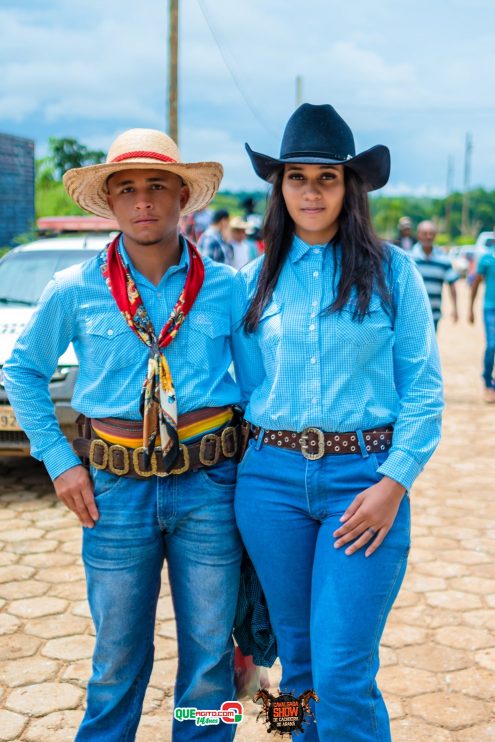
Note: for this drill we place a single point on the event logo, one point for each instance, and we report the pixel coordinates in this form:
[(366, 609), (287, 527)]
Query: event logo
[(230, 712), (285, 713)]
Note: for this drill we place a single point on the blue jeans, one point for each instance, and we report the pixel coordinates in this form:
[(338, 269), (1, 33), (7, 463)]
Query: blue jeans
[(488, 361), (328, 610), (189, 521)]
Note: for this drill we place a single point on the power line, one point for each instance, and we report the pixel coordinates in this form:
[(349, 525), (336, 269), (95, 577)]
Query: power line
[(238, 85)]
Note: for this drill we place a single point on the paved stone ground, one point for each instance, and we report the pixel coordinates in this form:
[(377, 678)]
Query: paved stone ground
[(438, 653)]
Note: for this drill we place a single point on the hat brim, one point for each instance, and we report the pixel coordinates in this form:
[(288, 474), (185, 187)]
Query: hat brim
[(372, 165), (87, 185)]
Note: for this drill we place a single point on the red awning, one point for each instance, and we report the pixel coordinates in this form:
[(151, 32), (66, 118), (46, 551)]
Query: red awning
[(76, 224)]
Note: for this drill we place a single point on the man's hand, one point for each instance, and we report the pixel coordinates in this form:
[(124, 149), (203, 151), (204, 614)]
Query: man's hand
[(471, 317), (370, 516), (455, 315), (75, 488)]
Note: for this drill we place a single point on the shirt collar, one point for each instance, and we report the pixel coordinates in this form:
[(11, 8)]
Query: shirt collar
[(420, 253), (183, 263), (299, 248)]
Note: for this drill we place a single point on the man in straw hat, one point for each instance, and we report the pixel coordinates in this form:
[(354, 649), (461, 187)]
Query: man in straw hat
[(149, 320)]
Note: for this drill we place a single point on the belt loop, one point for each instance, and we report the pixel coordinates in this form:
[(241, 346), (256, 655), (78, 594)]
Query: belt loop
[(259, 442), (362, 445)]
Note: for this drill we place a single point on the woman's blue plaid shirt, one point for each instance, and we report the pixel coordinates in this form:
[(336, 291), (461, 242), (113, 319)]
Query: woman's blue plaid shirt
[(305, 366)]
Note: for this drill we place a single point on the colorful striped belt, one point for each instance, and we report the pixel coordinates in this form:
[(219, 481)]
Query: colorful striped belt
[(207, 437), (191, 426)]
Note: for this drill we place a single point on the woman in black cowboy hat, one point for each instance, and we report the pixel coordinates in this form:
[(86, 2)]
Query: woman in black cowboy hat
[(336, 355)]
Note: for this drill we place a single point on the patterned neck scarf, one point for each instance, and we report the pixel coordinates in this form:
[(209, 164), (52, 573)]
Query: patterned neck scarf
[(158, 401)]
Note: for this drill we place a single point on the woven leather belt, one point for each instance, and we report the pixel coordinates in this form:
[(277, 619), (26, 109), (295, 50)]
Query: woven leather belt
[(212, 449), (313, 443)]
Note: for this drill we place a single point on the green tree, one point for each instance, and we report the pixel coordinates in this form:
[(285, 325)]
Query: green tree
[(66, 153)]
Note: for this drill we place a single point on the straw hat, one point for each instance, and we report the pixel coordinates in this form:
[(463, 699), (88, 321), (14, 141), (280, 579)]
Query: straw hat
[(237, 223), (142, 149)]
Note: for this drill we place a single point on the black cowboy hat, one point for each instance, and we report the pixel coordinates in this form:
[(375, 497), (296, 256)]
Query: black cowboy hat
[(317, 135)]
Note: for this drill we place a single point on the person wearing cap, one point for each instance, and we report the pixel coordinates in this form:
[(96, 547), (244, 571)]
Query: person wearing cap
[(149, 320), (343, 395), (405, 239), (243, 249), (214, 240)]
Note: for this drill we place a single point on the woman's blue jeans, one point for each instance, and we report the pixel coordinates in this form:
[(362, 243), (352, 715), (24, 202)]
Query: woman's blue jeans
[(328, 610), (488, 361), (189, 521)]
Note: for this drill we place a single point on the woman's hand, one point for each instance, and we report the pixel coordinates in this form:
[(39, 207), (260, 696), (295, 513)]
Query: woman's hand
[(370, 516)]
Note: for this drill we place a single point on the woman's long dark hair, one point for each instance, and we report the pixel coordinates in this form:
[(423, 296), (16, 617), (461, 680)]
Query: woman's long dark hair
[(363, 253)]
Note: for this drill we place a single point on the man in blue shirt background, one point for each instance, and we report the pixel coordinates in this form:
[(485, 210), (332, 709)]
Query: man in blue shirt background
[(486, 272)]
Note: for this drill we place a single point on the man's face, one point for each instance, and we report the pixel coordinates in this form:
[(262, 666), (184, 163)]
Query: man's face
[(426, 235), (238, 235), (146, 203)]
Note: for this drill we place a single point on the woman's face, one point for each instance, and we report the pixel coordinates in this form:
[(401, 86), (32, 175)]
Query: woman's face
[(314, 195)]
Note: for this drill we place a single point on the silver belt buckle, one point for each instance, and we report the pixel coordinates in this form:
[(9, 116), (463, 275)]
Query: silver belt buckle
[(303, 441)]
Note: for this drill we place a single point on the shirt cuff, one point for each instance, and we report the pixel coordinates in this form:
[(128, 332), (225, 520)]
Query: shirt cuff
[(401, 467), (59, 458)]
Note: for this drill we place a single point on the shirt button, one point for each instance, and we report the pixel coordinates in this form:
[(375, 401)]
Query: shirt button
[(316, 250), (313, 360), (313, 314), (316, 274), (109, 332), (312, 327), (314, 303), (314, 400)]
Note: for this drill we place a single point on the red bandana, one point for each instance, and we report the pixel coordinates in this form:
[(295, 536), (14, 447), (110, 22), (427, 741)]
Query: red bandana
[(158, 400)]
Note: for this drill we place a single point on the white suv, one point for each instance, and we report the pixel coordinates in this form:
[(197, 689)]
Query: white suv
[(24, 273)]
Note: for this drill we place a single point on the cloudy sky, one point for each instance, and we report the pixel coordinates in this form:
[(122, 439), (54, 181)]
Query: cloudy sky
[(415, 75)]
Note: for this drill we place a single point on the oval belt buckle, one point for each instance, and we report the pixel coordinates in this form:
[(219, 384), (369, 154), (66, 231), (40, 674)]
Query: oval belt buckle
[(303, 441), (137, 464)]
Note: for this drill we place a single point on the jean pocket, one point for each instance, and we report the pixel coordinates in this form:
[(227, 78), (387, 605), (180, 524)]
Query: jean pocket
[(247, 454), (223, 476), (374, 461), (104, 482)]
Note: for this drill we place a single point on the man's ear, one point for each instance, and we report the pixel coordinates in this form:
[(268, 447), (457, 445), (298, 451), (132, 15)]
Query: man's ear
[(184, 196)]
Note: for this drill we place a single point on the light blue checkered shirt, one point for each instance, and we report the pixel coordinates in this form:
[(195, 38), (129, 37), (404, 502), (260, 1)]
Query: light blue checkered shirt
[(77, 307), (306, 367)]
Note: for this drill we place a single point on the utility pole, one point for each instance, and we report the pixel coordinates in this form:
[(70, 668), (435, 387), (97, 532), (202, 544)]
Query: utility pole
[(450, 187), (299, 82), (173, 54), (468, 149)]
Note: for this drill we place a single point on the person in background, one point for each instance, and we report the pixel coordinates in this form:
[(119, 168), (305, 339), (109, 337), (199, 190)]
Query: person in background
[(436, 269), (213, 242), (405, 239), (486, 272), (244, 250)]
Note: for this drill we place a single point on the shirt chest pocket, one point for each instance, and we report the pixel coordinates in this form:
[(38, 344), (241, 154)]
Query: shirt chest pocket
[(207, 338), (374, 328), (110, 343), (269, 335)]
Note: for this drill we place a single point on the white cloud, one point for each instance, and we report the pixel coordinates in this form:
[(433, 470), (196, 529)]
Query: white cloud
[(406, 74)]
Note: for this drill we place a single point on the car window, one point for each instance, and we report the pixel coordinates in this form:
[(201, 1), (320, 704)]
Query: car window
[(24, 275)]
